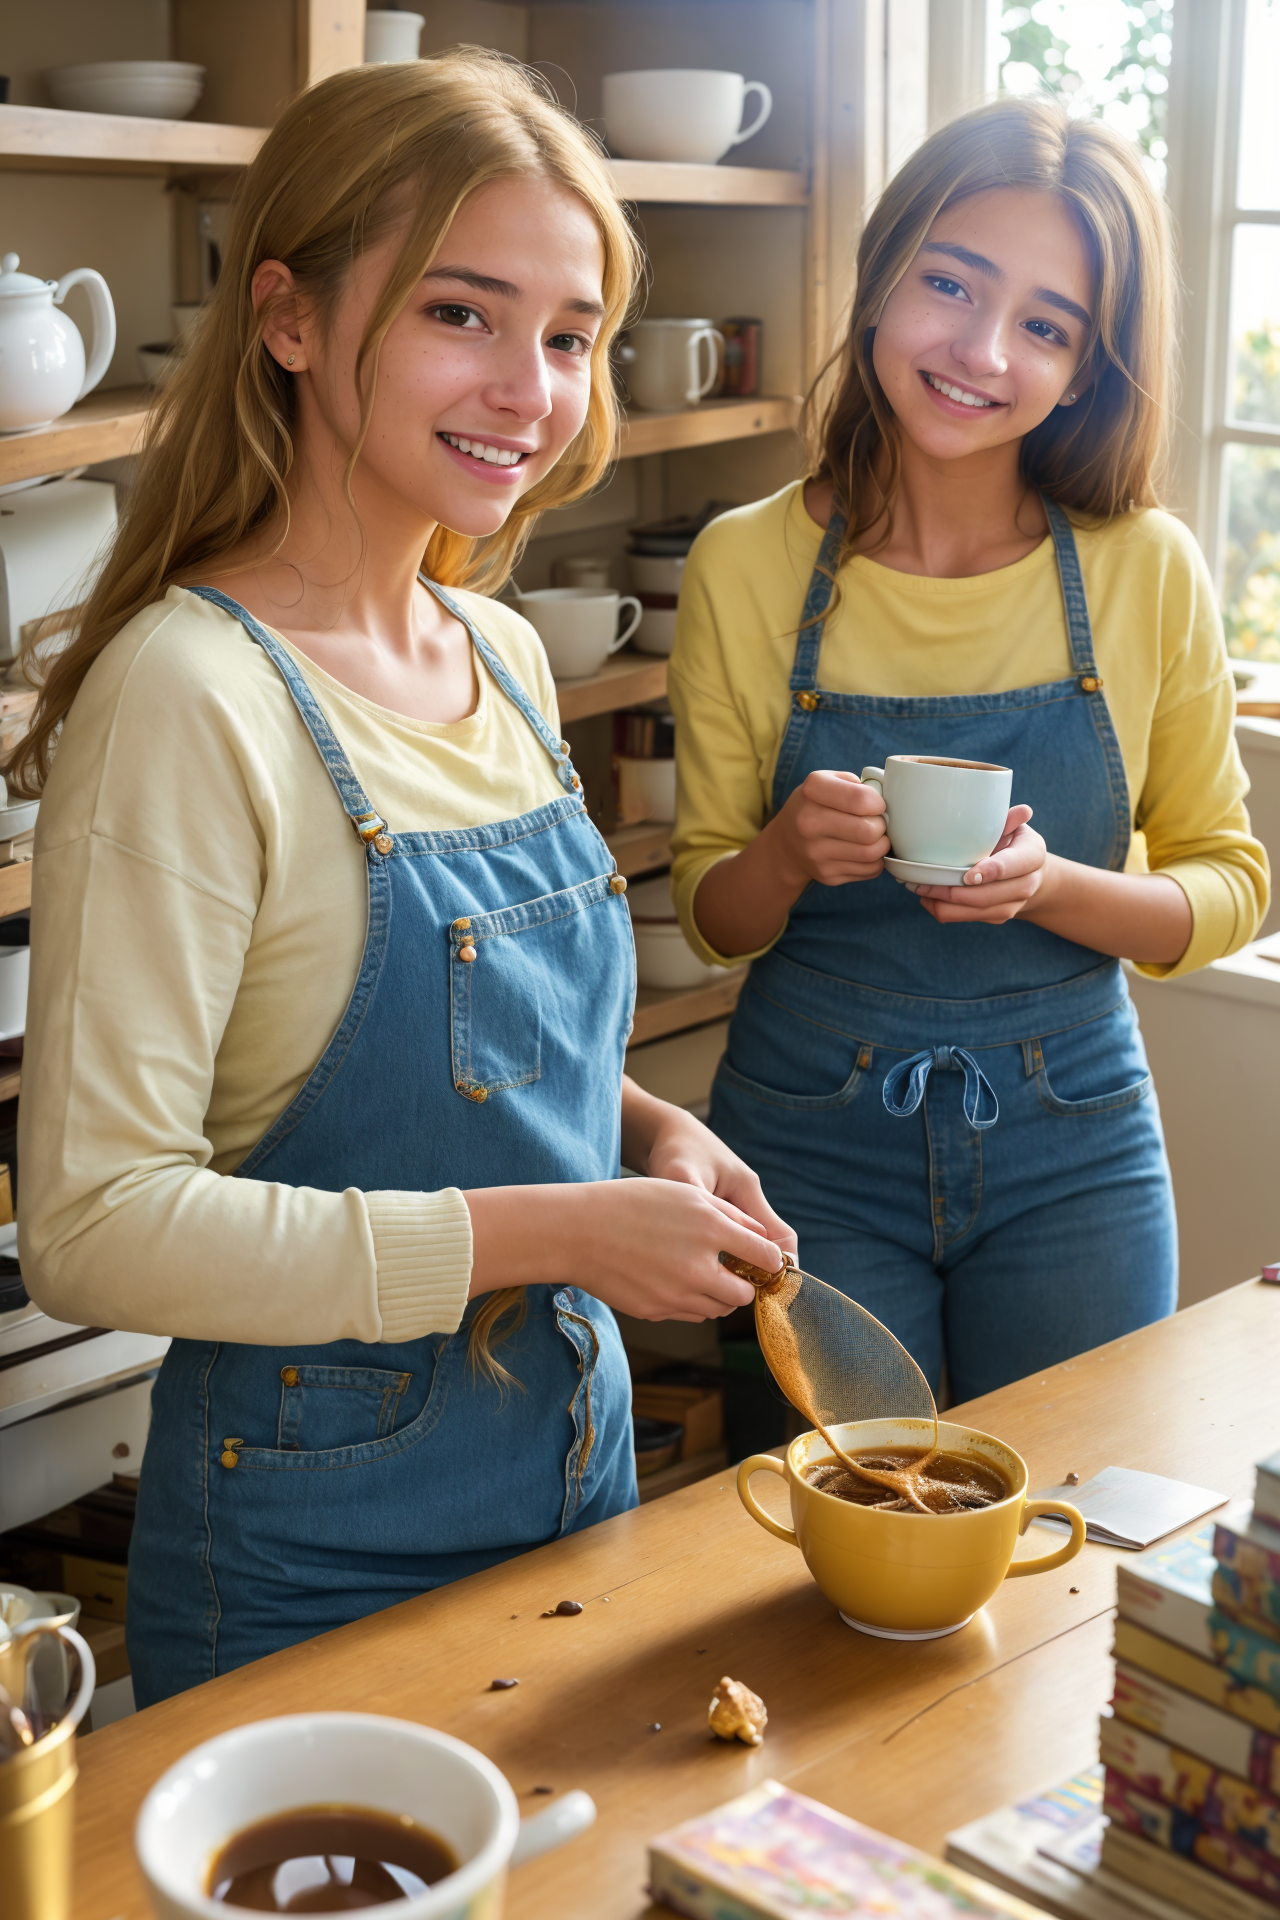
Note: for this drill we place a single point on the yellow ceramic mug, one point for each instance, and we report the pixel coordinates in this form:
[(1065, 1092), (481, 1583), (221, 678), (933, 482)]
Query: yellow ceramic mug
[(906, 1576)]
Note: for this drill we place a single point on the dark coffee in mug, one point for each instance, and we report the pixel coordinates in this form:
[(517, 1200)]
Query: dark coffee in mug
[(328, 1860)]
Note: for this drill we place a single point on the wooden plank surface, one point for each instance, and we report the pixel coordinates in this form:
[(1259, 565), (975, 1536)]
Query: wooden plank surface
[(677, 183), (49, 137), (640, 850), (102, 427), (621, 682), (914, 1739), (15, 888), (662, 1010), (707, 424)]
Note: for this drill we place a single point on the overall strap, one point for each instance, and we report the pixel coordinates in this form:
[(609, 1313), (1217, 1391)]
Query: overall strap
[(1079, 631), (805, 698), (368, 823), (558, 749)]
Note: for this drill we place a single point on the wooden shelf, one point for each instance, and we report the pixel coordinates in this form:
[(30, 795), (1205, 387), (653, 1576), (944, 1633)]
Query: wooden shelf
[(682, 1473), (10, 1081), (707, 424), (642, 849), (661, 1010), (52, 140), (672, 183), (102, 427), (621, 682), (110, 424), (15, 889)]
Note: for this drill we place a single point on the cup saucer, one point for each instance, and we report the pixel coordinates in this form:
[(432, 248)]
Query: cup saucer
[(922, 874), (893, 1633)]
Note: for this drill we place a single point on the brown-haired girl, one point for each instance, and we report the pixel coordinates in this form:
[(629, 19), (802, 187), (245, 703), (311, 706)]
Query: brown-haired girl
[(318, 905), (943, 1086)]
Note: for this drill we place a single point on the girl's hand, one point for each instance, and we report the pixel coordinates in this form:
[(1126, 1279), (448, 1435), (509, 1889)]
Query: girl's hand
[(683, 1149), (999, 887), (831, 830), (651, 1248)]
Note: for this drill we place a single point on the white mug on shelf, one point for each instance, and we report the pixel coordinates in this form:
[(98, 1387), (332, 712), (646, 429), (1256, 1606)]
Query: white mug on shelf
[(390, 35), (578, 626), (663, 359), (680, 113)]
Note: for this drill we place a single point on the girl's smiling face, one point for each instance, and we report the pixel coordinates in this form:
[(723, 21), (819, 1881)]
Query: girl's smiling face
[(985, 333), (483, 377)]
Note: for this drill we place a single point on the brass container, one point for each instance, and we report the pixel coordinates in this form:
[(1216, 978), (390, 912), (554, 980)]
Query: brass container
[(37, 1805)]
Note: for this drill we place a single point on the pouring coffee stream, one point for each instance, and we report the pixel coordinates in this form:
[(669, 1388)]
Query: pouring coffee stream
[(836, 1362)]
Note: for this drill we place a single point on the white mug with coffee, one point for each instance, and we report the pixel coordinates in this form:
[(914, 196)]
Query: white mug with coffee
[(324, 1763), (578, 626), (664, 361), (693, 114), (941, 816)]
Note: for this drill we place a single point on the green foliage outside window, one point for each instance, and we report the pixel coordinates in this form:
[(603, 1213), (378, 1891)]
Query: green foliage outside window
[(1251, 575)]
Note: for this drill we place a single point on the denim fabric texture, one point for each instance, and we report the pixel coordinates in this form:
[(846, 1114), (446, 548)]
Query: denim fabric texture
[(285, 1491), (959, 1121)]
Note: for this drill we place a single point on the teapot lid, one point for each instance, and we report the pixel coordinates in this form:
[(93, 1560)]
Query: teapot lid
[(11, 281)]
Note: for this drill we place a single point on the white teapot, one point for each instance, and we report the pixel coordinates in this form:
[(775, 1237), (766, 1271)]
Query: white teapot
[(42, 369)]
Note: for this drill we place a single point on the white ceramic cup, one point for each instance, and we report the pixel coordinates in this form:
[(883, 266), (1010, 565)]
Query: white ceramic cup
[(583, 570), (941, 813), (680, 113), (390, 35), (664, 362), (578, 626), (353, 1760)]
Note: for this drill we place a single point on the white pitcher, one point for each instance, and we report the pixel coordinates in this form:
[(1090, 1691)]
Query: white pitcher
[(42, 363)]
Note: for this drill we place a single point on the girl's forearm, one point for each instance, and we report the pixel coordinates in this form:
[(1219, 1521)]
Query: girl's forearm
[(642, 1115), (1135, 916), (742, 903)]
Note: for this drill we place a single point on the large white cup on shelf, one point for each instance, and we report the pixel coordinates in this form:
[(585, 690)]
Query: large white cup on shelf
[(680, 113), (390, 35), (578, 626), (665, 359)]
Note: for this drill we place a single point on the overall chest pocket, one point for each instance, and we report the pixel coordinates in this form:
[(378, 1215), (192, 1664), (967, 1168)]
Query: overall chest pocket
[(505, 967), (324, 1407)]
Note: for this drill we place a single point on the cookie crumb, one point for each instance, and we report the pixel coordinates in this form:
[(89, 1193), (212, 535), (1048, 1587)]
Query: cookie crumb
[(544, 1789), (1073, 1589), (500, 1686), (737, 1713), (1072, 1480), (655, 1726), (565, 1606)]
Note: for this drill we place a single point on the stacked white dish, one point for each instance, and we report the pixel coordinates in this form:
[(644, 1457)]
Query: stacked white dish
[(664, 957), (656, 580), (143, 89)]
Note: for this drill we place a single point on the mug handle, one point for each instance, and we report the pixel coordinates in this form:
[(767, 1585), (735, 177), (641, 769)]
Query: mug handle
[(766, 108), (1045, 1562), (563, 1820), (716, 339), (627, 600), (41, 1629), (763, 1463), (873, 777)]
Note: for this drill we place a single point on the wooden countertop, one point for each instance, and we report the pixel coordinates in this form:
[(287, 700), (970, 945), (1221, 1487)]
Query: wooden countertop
[(914, 1739)]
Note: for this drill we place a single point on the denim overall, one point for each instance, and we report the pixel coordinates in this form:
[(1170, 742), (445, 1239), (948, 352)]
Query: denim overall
[(287, 1490), (959, 1121)]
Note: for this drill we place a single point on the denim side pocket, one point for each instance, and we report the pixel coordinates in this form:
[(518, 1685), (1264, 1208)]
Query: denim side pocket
[(324, 1407), (1097, 1067)]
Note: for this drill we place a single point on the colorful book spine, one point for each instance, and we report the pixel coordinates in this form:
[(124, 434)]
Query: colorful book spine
[(1196, 1675), (1135, 1861), (1216, 1798), (1266, 1491), (1180, 1832), (1168, 1591), (1173, 1714), (1251, 1656), (1247, 1580)]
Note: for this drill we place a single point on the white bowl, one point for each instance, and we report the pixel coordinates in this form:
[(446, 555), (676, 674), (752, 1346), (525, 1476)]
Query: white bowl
[(15, 972), (652, 574), (646, 790), (143, 89), (657, 630), (664, 957)]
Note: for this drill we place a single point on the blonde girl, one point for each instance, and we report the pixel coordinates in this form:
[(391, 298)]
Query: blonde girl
[(943, 1086), (332, 973)]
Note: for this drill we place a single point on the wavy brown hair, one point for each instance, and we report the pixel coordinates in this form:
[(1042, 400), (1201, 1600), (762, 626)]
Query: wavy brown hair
[(366, 152), (1100, 457)]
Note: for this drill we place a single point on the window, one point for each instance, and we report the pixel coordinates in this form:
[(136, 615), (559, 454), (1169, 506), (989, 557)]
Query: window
[(1101, 56)]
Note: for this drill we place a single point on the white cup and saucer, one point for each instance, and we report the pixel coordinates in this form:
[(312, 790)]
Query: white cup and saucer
[(942, 816)]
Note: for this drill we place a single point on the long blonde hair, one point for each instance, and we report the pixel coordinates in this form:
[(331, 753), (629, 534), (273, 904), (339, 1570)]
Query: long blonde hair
[(1100, 457), (346, 163)]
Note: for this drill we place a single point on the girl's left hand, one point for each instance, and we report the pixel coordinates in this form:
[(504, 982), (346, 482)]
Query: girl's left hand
[(999, 887), (683, 1149)]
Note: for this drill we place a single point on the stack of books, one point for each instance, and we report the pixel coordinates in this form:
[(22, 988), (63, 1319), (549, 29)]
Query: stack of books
[(1191, 1748), (1182, 1814)]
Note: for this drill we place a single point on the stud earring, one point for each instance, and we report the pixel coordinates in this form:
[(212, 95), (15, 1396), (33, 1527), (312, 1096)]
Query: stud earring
[(1068, 399), (293, 356)]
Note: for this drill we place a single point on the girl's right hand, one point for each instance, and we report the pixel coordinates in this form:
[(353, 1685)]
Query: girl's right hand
[(651, 1248), (831, 830)]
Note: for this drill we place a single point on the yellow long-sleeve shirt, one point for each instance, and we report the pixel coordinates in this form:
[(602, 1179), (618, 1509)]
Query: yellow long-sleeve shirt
[(1157, 641)]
